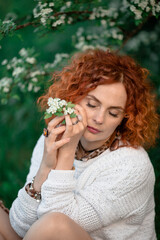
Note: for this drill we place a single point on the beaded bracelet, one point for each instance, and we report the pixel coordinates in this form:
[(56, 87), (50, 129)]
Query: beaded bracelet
[(32, 192)]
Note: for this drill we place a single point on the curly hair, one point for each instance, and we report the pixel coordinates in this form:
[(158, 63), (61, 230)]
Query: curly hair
[(91, 68)]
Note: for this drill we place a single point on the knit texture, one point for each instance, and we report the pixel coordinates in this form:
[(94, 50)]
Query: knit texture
[(111, 196)]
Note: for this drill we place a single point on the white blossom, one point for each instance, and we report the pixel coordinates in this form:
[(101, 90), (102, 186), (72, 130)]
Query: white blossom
[(148, 9), (51, 4), (43, 20), (5, 89), (34, 79), (68, 111), (23, 52), (30, 60), (46, 11), (143, 4), (33, 74), (5, 82), (68, 4), (70, 20), (51, 109), (62, 103), (36, 89), (8, 66), (30, 86), (17, 71), (103, 22), (152, 2), (4, 62)]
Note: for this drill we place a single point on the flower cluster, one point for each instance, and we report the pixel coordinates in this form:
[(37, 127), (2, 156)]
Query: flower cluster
[(59, 108), (139, 7), (6, 27)]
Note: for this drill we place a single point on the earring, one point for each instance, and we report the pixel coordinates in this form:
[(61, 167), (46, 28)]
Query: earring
[(115, 144)]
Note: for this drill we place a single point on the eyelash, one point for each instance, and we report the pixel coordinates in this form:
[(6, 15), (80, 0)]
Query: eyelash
[(112, 114), (89, 105)]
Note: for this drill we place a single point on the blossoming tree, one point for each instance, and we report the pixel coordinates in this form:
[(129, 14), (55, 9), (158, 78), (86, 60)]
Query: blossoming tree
[(63, 28), (116, 24)]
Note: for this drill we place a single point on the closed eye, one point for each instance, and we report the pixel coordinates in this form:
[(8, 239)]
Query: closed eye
[(90, 105), (113, 114)]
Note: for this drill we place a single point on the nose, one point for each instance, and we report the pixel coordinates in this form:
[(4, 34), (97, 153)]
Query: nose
[(99, 117)]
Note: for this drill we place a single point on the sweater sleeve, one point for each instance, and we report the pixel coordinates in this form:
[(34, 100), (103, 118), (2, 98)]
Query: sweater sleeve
[(108, 192), (23, 212)]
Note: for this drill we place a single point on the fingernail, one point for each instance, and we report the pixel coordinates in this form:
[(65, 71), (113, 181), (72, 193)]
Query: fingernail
[(79, 117)]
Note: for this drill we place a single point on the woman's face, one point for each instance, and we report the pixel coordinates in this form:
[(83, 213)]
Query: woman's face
[(104, 108)]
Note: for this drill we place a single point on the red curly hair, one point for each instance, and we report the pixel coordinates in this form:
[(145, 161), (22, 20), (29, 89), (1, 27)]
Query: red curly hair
[(91, 68)]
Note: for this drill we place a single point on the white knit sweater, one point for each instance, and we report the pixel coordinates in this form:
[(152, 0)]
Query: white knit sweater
[(111, 196)]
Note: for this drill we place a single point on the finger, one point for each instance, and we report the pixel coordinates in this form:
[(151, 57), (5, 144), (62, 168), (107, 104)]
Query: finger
[(55, 132), (54, 122), (61, 142), (68, 121), (82, 116)]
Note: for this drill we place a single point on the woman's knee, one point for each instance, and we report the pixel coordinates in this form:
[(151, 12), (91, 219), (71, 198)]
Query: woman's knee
[(56, 221), (50, 224)]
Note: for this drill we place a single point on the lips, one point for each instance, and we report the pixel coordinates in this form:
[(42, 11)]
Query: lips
[(93, 130)]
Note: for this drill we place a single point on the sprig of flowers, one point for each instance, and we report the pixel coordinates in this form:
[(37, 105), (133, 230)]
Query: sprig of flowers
[(59, 108)]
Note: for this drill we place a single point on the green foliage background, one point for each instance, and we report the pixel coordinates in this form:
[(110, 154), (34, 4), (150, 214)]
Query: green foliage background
[(21, 122)]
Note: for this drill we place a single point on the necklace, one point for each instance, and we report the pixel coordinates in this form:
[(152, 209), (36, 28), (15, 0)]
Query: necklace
[(83, 155)]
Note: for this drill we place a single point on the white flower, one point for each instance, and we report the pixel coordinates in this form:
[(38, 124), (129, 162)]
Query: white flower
[(33, 74), (23, 52), (103, 22), (30, 60), (70, 110), (51, 109), (43, 20), (17, 71), (152, 2), (36, 89), (5, 89), (50, 101), (148, 9), (62, 103), (5, 61), (34, 79), (70, 20), (8, 66), (51, 4), (68, 4), (143, 5), (5, 82), (46, 11), (65, 111), (30, 86)]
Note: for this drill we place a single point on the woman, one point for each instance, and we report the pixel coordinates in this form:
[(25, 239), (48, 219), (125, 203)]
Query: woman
[(110, 193)]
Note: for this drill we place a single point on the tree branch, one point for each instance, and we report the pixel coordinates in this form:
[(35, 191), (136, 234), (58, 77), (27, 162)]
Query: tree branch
[(55, 15), (135, 31)]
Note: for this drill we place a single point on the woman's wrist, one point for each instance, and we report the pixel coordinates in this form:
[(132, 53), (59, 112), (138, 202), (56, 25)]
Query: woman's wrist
[(41, 177)]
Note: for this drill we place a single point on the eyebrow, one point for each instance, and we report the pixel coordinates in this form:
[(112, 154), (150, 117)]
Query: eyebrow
[(96, 99)]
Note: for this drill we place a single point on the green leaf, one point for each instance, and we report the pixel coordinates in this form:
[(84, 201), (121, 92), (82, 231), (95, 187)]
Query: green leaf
[(59, 109), (70, 104), (59, 114), (16, 97), (73, 115), (64, 122), (47, 115)]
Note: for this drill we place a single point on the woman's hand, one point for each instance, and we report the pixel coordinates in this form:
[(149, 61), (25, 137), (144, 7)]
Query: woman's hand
[(67, 152), (51, 145)]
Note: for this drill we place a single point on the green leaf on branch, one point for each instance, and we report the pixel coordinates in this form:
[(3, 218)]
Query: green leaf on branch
[(59, 114), (73, 115), (59, 110), (47, 115), (70, 104)]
